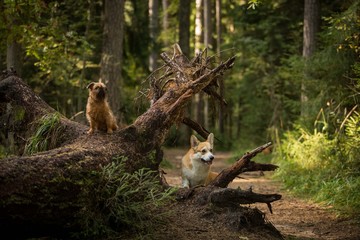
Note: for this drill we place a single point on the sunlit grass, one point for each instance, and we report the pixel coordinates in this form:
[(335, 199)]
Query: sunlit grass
[(313, 165)]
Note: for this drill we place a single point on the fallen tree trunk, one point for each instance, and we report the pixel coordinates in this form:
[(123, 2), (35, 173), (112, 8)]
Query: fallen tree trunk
[(47, 189)]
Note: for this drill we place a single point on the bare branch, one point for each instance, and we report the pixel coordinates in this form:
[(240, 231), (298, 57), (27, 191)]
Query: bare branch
[(229, 197), (229, 174)]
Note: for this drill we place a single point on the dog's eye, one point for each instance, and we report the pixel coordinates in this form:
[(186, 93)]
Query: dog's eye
[(211, 150), (203, 151)]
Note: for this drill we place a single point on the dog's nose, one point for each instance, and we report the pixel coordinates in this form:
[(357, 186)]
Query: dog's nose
[(211, 157)]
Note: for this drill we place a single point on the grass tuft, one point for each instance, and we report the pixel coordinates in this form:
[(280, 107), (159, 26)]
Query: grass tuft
[(46, 136)]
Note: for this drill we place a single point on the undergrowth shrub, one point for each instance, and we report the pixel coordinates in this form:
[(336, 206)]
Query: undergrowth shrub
[(124, 202), (322, 167)]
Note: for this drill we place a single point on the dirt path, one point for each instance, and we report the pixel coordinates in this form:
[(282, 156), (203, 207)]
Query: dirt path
[(294, 218)]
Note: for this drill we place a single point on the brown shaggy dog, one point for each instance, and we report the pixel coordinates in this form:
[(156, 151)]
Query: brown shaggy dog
[(98, 111)]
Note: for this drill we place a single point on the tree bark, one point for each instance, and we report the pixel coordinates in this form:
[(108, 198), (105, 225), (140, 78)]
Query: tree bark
[(184, 26), (222, 115), (165, 21), (208, 45), (184, 42), (311, 25), (111, 59), (208, 26), (13, 47), (154, 32)]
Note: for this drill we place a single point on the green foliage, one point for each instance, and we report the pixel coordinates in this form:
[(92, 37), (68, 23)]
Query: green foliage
[(323, 168), (350, 143), (47, 135), (253, 3), (320, 157), (124, 202), (260, 88), (55, 38)]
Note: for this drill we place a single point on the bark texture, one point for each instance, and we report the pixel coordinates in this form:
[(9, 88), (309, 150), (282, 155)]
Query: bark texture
[(111, 59)]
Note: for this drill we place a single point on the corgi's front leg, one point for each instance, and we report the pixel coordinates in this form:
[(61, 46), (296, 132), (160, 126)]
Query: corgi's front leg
[(185, 183)]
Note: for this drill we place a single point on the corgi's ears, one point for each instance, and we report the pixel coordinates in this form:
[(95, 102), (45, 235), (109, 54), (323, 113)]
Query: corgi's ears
[(210, 139), (194, 142)]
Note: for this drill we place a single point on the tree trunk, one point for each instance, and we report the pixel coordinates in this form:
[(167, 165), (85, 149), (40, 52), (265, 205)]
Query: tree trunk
[(13, 53), (218, 53), (154, 32), (184, 26), (165, 21), (311, 22), (208, 45), (13, 48), (184, 42), (111, 59), (89, 19), (197, 107), (208, 26), (198, 26)]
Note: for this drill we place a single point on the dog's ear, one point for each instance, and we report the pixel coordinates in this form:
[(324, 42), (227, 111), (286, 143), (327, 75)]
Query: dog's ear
[(194, 142), (90, 86), (210, 139)]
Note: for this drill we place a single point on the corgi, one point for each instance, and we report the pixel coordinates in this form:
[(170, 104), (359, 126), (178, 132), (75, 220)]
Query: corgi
[(196, 164)]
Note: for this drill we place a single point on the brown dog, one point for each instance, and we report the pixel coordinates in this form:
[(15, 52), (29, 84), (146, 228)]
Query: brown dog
[(98, 111)]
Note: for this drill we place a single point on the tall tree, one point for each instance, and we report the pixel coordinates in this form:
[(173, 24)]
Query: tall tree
[(154, 32), (184, 26), (218, 53), (184, 43), (311, 23), (111, 59), (197, 108), (208, 44), (165, 18), (208, 26), (13, 47), (89, 19), (198, 26)]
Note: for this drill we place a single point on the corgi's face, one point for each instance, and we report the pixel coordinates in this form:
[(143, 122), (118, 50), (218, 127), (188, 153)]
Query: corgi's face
[(203, 150)]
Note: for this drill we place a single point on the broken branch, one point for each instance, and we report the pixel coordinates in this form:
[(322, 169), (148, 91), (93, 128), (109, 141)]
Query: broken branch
[(227, 197), (227, 175)]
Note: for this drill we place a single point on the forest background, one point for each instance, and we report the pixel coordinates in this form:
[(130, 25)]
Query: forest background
[(295, 81)]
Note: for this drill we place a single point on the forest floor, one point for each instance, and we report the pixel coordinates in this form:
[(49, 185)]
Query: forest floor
[(295, 218)]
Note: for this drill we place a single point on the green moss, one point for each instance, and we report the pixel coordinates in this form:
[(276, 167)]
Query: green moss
[(19, 113)]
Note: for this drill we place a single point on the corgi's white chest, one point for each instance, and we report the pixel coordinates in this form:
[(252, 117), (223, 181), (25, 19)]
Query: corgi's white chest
[(198, 174)]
